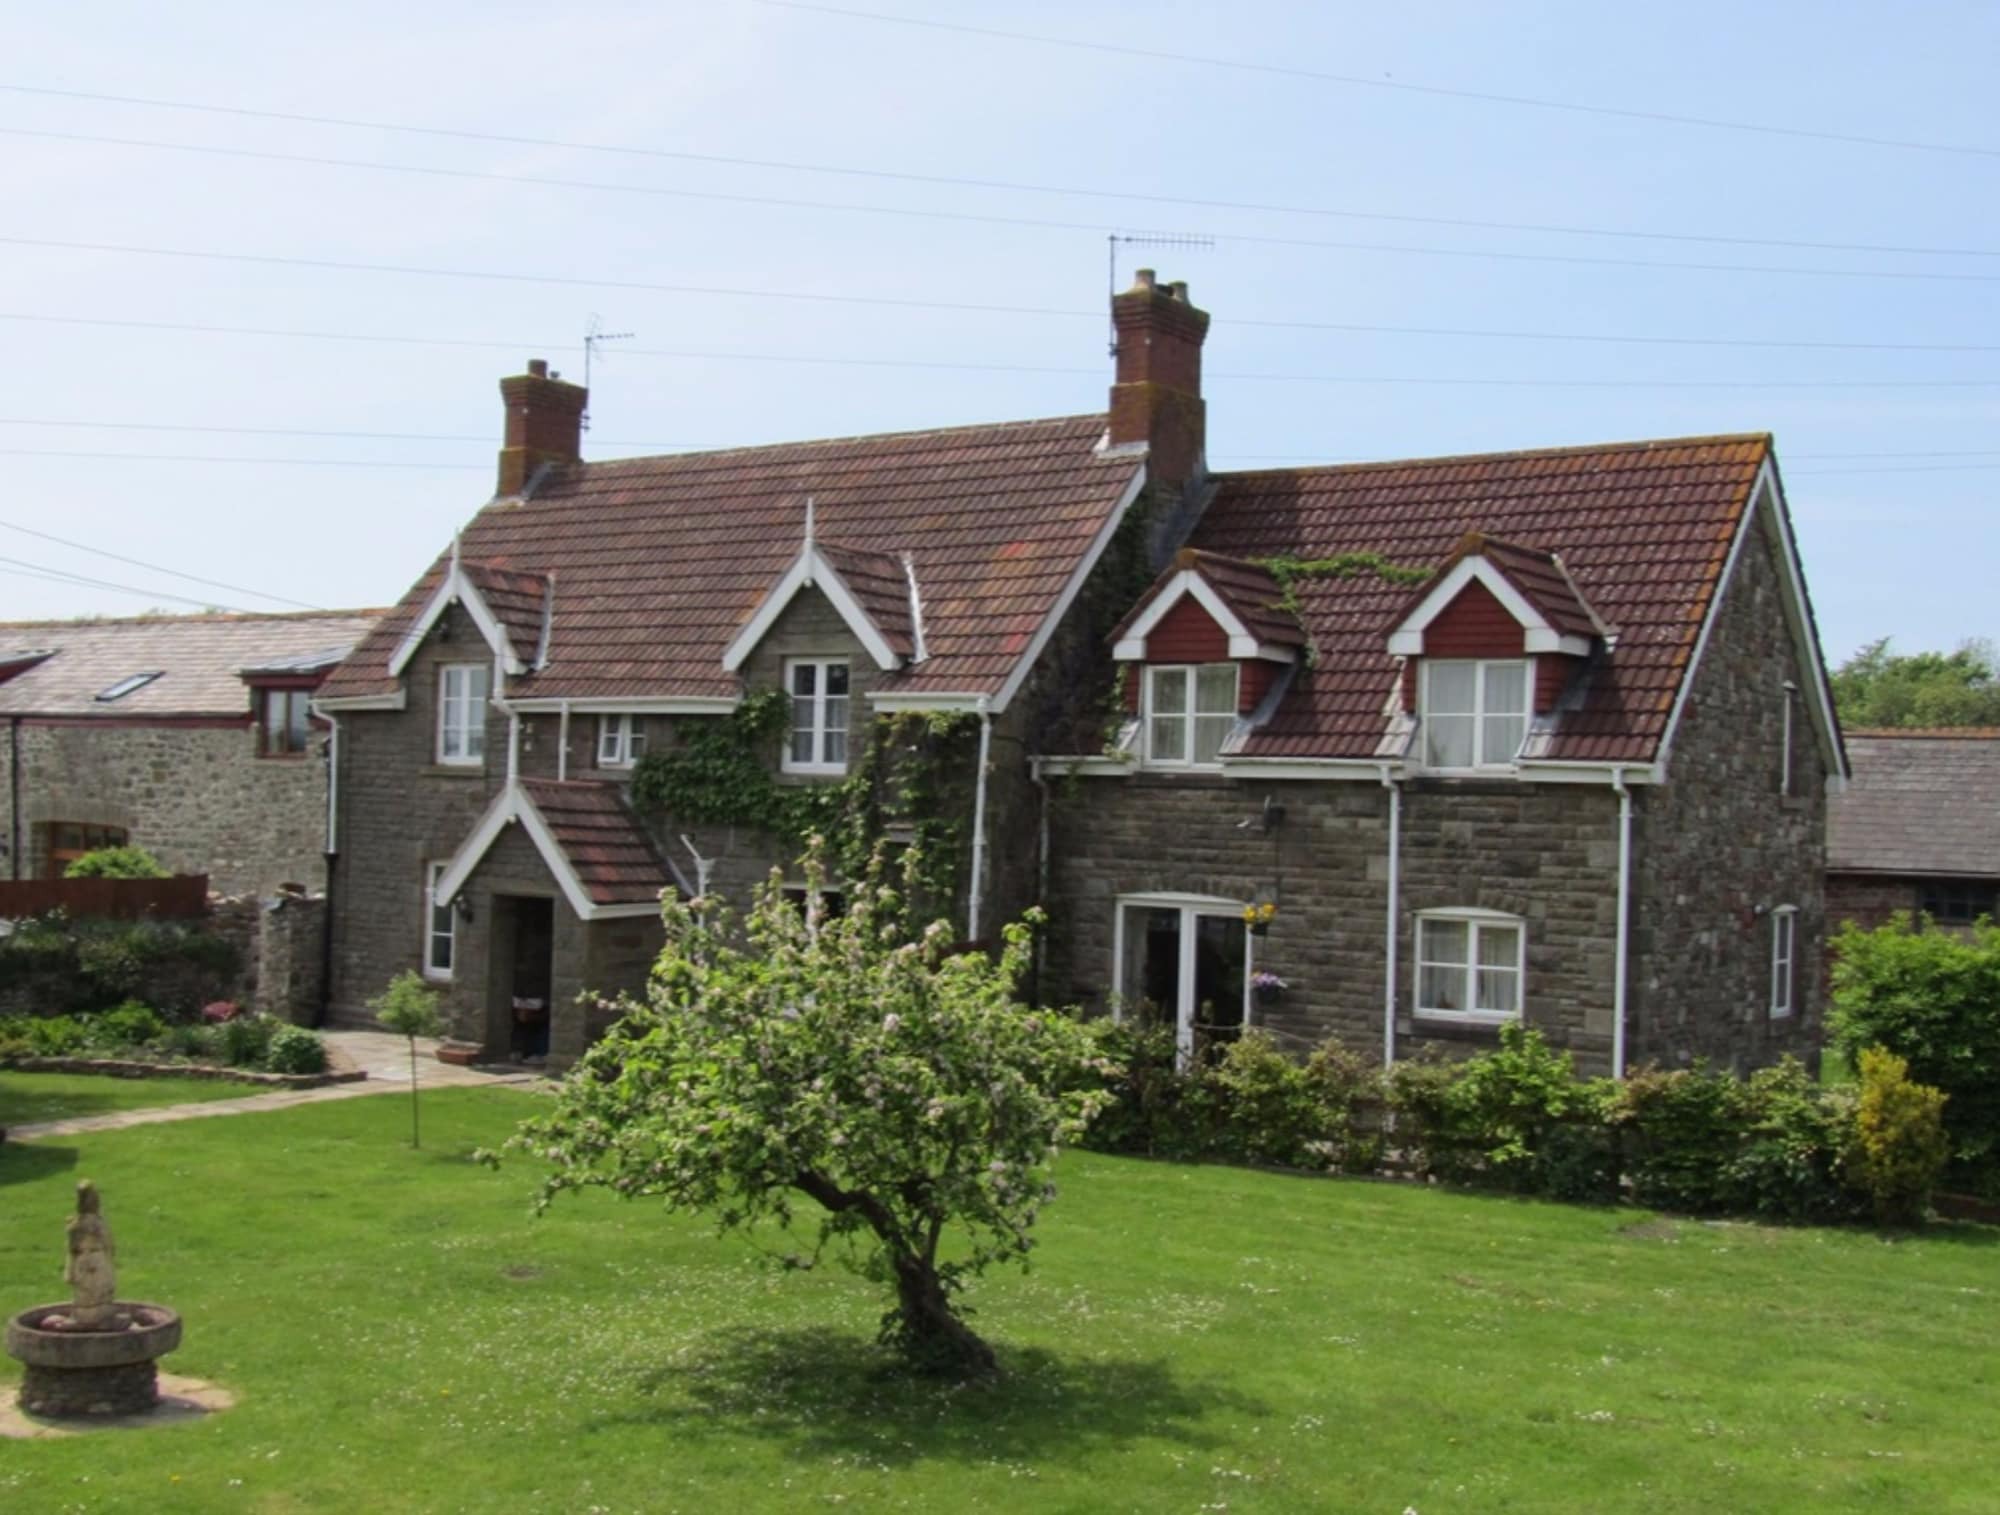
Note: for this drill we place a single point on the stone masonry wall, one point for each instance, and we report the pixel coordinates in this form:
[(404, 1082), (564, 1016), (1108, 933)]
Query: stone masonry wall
[(199, 798), (1546, 853), (1718, 847)]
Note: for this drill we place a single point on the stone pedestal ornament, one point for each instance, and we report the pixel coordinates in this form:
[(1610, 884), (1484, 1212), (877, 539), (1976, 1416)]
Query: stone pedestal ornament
[(96, 1355)]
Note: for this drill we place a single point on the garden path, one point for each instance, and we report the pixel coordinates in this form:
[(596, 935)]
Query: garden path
[(383, 1056)]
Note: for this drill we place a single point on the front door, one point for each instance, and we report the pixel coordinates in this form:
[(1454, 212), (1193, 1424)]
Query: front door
[(1186, 959)]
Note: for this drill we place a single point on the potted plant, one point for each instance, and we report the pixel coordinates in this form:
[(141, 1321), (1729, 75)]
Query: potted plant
[(1259, 917), (1269, 988)]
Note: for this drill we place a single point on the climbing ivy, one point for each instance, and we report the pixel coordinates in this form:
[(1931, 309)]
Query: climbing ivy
[(1290, 572), (909, 782)]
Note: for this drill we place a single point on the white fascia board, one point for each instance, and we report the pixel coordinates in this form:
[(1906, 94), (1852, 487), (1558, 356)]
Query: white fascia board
[(456, 586), (1336, 770), (1113, 519), (1664, 752), (644, 705), (1184, 583), (892, 703), (397, 701), (1407, 640), (475, 847), (810, 570), (1556, 641), (1087, 767), (552, 854), (1559, 771), (1804, 631), (1263, 652)]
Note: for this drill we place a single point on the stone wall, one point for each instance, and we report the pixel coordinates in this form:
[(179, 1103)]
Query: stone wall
[(198, 797), (1719, 847), (1545, 853)]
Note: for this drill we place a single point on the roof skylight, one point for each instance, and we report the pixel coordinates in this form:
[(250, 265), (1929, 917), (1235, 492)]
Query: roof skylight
[(125, 686)]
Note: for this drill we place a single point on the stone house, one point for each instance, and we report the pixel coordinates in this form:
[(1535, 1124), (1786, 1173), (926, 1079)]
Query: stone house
[(1541, 734), (1918, 828), (190, 736)]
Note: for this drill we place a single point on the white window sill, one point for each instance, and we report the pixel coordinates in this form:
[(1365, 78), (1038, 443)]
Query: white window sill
[(435, 977), (816, 771), (1485, 771), (1468, 1017), (1152, 767)]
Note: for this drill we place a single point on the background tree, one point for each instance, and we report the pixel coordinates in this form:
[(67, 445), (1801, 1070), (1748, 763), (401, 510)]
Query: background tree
[(1877, 687), (849, 1061), (408, 1007)]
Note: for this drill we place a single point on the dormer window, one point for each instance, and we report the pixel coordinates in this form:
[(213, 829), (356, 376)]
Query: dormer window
[(621, 740), (1190, 711), (1474, 712), (818, 741)]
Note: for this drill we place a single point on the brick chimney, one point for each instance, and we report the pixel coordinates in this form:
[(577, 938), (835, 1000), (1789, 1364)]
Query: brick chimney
[(1156, 395), (544, 425)]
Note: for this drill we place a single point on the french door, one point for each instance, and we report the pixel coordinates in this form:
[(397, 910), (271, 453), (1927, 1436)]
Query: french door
[(1184, 958)]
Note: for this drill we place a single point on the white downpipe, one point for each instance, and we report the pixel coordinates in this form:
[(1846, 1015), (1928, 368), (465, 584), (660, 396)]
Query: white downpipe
[(1395, 892), (562, 743), (976, 894), (1624, 921)]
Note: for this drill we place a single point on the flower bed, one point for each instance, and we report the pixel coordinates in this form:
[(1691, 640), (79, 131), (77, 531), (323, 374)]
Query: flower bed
[(133, 1040), (123, 1067)]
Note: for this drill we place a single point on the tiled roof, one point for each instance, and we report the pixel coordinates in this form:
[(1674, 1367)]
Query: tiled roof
[(1543, 582), (607, 848), (883, 588), (200, 660), (1918, 802), (518, 601), (660, 561), (1643, 529)]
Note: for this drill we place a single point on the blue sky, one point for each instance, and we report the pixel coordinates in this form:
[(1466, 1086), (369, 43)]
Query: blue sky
[(1891, 481)]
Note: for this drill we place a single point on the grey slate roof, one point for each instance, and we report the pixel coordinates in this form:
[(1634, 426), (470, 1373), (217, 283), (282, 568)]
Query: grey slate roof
[(1919, 802), (200, 660)]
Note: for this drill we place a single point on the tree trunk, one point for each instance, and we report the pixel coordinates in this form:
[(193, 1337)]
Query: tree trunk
[(929, 1331)]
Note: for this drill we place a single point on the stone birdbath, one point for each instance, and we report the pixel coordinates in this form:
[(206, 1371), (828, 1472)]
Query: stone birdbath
[(96, 1355)]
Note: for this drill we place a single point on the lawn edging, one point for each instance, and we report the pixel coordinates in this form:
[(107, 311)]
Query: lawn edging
[(121, 1067)]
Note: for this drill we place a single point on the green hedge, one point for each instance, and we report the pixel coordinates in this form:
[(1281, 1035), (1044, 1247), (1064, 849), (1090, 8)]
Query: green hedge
[(59, 965), (1775, 1145)]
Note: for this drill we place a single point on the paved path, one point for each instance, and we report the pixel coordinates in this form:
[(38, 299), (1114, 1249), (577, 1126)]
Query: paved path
[(383, 1056)]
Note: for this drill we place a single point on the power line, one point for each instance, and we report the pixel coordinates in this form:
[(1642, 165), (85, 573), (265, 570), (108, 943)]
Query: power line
[(1360, 327), (1034, 223), (1488, 97), (181, 457), (26, 570), (192, 578)]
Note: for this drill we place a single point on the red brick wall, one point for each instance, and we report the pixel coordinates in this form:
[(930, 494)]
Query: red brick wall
[(1474, 625)]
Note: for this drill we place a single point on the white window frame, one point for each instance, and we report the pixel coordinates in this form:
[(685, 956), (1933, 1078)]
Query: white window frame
[(621, 740), (1787, 781), (1474, 920), (1190, 907), (1784, 961), (447, 702), (1481, 763), (432, 936), (1190, 673), (819, 765)]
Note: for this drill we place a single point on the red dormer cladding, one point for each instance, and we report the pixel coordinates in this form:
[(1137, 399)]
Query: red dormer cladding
[(1477, 623), (1266, 640)]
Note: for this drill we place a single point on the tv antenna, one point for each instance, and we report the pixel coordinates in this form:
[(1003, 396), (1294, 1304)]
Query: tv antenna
[(592, 335), (1178, 241)]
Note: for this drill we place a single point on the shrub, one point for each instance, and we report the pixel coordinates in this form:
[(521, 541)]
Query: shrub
[(1933, 999), (117, 862), (1900, 1138), (196, 1043), (1681, 1130), (57, 1036), (245, 1042), (1791, 1161), (294, 1049), (132, 1024), (82, 965), (1154, 1109), (1351, 1093), (1265, 1109)]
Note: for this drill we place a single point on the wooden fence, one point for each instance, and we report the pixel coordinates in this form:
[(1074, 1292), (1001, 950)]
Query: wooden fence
[(118, 899)]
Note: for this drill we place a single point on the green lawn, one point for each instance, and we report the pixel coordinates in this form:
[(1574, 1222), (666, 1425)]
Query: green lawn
[(404, 1337), (28, 1097)]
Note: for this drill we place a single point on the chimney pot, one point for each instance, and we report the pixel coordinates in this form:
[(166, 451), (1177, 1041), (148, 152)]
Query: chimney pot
[(1178, 289), (1143, 279), (538, 368)]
